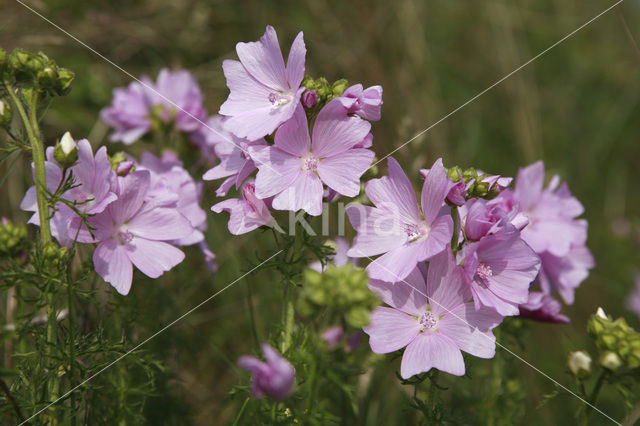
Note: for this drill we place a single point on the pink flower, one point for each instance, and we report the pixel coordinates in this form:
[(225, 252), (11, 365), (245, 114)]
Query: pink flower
[(481, 217), (553, 231), (434, 320), (544, 308), (94, 191), (294, 169), (264, 93), (247, 213), (394, 227), (499, 269), (333, 336), (170, 179), (551, 212), (274, 377), (235, 162), (365, 103), (133, 231), (174, 97)]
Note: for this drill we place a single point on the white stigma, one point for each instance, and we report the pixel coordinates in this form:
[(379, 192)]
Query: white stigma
[(428, 321)]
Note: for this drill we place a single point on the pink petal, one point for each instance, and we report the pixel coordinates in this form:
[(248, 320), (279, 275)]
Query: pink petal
[(153, 258), (334, 131), (342, 172), (295, 62), (431, 350), (277, 170), (434, 191), (396, 264), (408, 296), (304, 194), (133, 190), (160, 224), (247, 93), (293, 136), (439, 237), (395, 193), (378, 231), (529, 184), (470, 329), (390, 330), (446, 285), (112, 264), (263, 60)]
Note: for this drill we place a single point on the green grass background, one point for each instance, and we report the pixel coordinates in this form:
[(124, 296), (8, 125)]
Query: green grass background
[(577, 108)]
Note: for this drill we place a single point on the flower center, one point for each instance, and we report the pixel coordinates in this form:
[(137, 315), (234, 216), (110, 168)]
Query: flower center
[(415, 232), (124, 236), (278, 99), (310, 163), (428, 321), (484, 271)]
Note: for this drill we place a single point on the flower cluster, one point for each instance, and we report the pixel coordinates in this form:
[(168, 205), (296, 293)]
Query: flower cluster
[(321, 141), (485, 243), (175, 98), (137, 212)]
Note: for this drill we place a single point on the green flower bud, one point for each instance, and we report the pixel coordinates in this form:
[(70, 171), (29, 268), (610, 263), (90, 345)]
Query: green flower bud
[(452, 173), (308, 83), (14, 238), (55, 258), (116, 159), (47, 77), (66, 151), (63, 82), (610, 360), (5, 114), (579, 364), (339, 87)]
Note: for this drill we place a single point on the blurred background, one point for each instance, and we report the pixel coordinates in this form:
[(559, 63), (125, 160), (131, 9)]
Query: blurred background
[(577, 108)]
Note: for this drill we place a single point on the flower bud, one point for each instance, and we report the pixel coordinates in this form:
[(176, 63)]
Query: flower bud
[(125, 167), (275, 377), (600, 313), (332, 336), (66, 151), (339, 87), (13, 238), (63, 82), (610, 360), (47, 77), (5, 114), (579, 364), (309, 99)]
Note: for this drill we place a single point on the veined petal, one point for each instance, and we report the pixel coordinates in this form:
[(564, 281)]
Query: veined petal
[(408, 295), (342, 172), (153, 258), (305, 193), (263, 59), (112, 264), (470, 329), (390, 330), (378, 231), (434, 191), (395, 193), (335, 132), (295, 62), (293, 136), (277, 170), (431, 350)]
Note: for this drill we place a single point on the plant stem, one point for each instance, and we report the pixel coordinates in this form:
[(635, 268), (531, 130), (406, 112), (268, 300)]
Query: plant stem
[(241, 412), (71, 294), (594, 397), (37, 151), (289, 289), (254, 331)]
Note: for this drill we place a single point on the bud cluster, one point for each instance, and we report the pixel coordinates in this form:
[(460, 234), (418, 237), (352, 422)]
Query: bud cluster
[(55, 258), (619, 342), (13, 238), (341, 287), (35, 70), (320, 91), (476, 184)]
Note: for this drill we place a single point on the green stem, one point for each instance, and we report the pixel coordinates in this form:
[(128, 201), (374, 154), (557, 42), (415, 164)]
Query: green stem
[(37, 151), (289, 289), (454, 237), (71, 294), (241, 412), (594, 397), (254, 331)]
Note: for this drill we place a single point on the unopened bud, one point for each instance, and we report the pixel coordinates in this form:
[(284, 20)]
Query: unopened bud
[(579, 364), (125, 167), (5, 114), (63, 82), (610, 360), (66, 151), (600, 313), (309, 99), (339, 87)]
